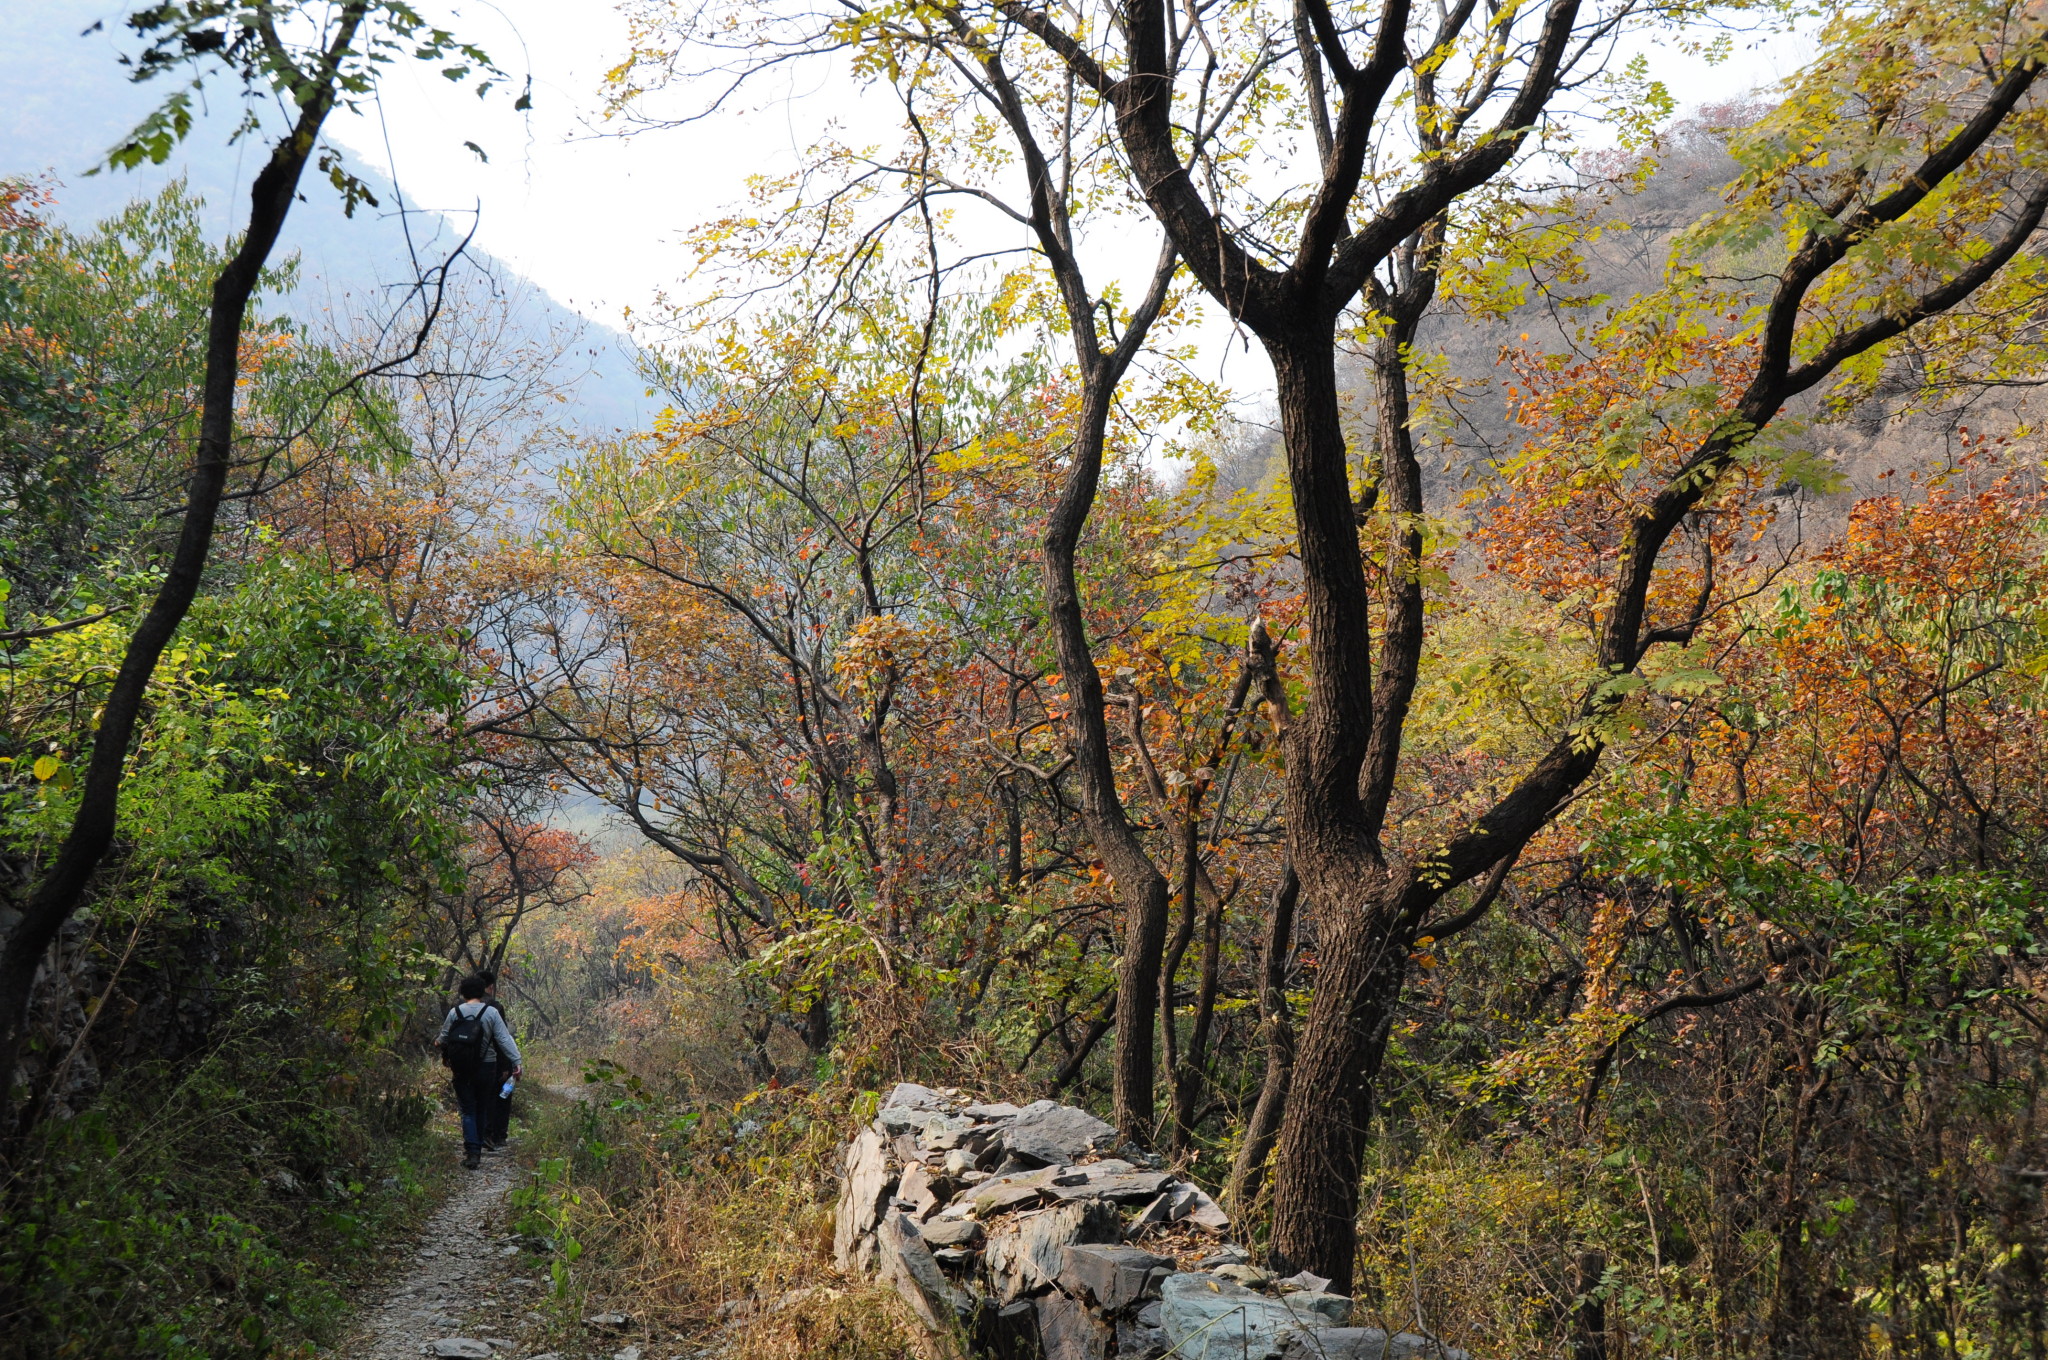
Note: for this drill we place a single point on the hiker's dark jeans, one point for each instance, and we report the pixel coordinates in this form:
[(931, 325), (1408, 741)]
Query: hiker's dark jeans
[(497, 1109), (474, 1092)]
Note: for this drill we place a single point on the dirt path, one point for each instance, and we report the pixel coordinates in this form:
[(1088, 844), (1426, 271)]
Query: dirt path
[(460, 1281)]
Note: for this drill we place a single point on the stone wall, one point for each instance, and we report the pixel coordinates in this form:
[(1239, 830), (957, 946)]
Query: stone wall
[(1028, 1232)]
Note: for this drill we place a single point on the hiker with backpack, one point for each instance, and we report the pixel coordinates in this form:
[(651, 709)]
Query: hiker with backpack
[(497, 1121), (471, 1029)]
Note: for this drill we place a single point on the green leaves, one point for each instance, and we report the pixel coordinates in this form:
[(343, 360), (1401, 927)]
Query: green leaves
[(286, 49), (155, 136)]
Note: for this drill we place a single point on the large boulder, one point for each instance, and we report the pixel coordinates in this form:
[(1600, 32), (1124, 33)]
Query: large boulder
[(1365, 1343), (1056, 1134), (1209, 1318)]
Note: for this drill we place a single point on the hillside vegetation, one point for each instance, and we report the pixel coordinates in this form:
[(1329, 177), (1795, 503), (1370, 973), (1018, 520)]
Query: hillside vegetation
[(1538, 819)]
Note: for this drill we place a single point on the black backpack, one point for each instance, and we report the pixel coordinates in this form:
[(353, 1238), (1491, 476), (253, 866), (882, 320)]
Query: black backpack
[(462, 1047)]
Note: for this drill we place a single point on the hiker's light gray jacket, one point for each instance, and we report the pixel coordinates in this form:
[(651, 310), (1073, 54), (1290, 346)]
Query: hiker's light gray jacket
[(495, 1029)]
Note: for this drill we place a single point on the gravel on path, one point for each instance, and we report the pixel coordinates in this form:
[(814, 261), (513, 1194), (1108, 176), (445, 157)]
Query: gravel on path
[(459, 1281)]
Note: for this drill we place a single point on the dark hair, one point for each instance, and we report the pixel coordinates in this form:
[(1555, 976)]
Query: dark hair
[(472, 987), (489, 976)]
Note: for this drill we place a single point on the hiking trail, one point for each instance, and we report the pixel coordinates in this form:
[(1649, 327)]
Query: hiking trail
[(461, 1282)]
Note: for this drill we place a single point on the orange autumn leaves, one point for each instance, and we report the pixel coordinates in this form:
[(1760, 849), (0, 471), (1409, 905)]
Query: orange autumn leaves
[(1894, 700), (1606, 432)]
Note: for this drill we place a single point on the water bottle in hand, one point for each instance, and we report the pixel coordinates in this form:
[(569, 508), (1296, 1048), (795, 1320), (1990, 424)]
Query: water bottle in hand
[(505, 1091)]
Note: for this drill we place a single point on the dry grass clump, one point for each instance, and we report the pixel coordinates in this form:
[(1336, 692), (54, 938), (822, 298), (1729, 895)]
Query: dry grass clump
[(869, 1323), (712, 1226)]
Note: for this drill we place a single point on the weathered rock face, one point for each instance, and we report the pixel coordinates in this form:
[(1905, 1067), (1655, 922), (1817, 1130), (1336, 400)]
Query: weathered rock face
[(1111, 1278), (1017, 1228), (906, 1262), (1366, 1343), (868, 1178), (1056, 1134), (1026, 1253), (1206, 1317)]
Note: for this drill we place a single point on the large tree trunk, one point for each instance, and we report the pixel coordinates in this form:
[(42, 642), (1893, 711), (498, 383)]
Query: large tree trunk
[(1330, 1098), (63, 885), (1342, 759)]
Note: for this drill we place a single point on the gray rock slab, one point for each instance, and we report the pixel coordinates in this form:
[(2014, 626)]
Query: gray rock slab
[(1251, 1277), (1067, 1332), (1128, 1189), (1056, 1133), (1206, 1318), (1314, 1284), (900, 1119), (917, 1189), (907, 1263), (1027, 1257), (990, 1200), (1007, 1192), (1136, 1341), (952, 1232), (995, 1110), (458, 1348), (1159, 1212), (1197, 1208), (863, 1195), (1365, 1343), (1110, 1166), (911, 1096), (1111, 1277)]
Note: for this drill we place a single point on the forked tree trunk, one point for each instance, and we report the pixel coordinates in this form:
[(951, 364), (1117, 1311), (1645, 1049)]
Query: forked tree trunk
[(1364, 955)]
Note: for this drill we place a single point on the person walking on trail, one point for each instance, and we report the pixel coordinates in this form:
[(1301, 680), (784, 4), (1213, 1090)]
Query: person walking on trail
[(497, 1128), (469, 1030)]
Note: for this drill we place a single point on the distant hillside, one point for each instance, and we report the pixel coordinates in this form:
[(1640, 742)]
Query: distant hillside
[(1870, 441), (66, 100)]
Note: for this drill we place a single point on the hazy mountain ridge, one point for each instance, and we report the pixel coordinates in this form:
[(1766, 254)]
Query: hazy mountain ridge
[(68, 100)]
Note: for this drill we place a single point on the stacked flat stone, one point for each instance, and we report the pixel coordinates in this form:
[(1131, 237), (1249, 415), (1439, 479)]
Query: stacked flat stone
[(1017, 1228)]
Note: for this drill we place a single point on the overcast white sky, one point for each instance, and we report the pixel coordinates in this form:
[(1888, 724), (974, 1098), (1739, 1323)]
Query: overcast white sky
[(590, 215), (594, 217)]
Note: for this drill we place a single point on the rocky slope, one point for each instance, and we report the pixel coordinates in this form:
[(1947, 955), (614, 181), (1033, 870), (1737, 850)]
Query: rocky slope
[(1028, 1232)]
